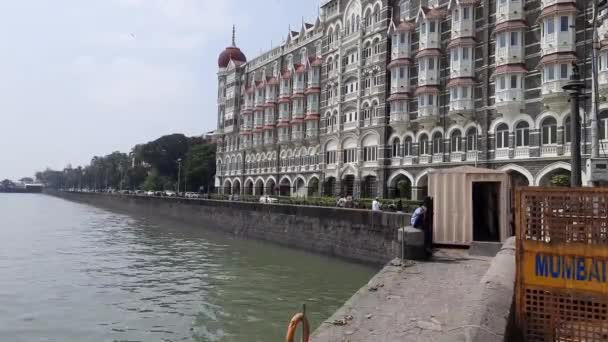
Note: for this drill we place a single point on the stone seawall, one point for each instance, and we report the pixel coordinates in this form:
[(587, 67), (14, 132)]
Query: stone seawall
[(359, 235)]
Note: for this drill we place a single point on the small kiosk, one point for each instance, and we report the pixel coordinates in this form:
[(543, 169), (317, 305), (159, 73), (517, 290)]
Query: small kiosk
[(470, 204)]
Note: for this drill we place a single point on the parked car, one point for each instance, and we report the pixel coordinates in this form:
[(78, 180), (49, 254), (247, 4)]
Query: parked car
[(159, 193), (150, 193), (192, 195), (267, 199), (170, 193), (140, 192)]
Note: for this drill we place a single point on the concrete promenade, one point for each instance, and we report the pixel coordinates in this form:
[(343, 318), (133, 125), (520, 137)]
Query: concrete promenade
[(443, 299)]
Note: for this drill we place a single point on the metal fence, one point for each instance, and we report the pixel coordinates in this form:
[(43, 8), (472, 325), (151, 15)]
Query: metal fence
[(562, 256)]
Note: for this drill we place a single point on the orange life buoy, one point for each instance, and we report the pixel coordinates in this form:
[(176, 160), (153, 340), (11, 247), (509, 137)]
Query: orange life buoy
[(293, 324)]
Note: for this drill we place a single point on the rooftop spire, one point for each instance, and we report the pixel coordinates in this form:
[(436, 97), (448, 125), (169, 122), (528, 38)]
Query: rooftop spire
[(233, 35)]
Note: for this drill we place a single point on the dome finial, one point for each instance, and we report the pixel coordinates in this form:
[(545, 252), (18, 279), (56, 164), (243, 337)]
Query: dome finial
[(233, 35)]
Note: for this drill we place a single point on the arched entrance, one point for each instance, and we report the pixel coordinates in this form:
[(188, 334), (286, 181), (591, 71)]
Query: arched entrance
[(227, 188), (400, 187), (236, 187), (313, 187), (348, 185), (271, 187), (285, 187), (517, 179), (557, 177), (300, 188), (259, 187), (370, 187), (329, 186), (422, 187), (249, 187)]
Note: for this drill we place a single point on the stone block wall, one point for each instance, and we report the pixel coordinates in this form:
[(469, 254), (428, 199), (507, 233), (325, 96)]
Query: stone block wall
[(359, 235)]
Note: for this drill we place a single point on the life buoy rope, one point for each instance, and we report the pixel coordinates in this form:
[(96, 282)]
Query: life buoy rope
[(293, 325)]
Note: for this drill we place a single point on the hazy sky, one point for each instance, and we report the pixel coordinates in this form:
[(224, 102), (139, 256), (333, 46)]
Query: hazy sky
[(87, 77)]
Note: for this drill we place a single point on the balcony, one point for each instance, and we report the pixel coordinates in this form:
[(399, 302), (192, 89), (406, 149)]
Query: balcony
[(409, 160), (349, 125), (268, 140), (283, 138), (546, 3), (456, 156), (462, 28), (548, 151), (269, 121), (427, 112), (228, 128), (333, 129), (522, 152), (375, 121), (297, 135), (557, 42), (258, 123), (509, 55), (567, 149), (428, 77), (350, 68), (257, 141), (404, 51), (552, 92), (461, 68), (312, 133), (438, 158), (472, 155), (298, 113), (429, 41), (462, 105), (424, 159), (334, 101), (509, 102), (507, 10), (298, 87), (501, 153), (399, 118), (332, 74), (350, 96), (259, 101)]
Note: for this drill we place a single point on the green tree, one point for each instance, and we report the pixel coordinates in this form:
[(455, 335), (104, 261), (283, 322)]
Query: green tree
[(163, 153), (153, 181), (560, 180), (199, 167)]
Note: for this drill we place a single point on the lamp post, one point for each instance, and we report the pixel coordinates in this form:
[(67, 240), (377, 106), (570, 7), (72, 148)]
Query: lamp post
[(574, 87), (179, 171)]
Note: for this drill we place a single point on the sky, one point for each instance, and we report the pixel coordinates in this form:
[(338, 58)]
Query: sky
[(80, 78)]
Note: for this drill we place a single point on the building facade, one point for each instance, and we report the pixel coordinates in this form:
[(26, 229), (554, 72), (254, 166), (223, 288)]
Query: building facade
[(376, 93)]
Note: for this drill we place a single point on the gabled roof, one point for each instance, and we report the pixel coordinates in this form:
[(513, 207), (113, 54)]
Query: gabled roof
[(430, 13)]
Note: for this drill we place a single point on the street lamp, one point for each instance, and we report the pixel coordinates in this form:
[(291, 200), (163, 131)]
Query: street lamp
[(179, 171), (575, 87)]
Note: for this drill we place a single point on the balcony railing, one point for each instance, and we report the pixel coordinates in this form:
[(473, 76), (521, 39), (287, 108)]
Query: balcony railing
[(603, 77), (553, 87), (461, 68), (424, 159), (546, 3), (462, 28), (283, 138), (509, 95), (399, 118), (350, 96), (557, 42), (409, 160), (472, 155), (456, 156), (509, 54), (522, 152), (401, 52), (296, 135), (438, 158), (507, 10), (350, 125), (312, 133), (429, 41), (350, 67), (549, 150), (427, 111), (567, 148), (501, 153), (428, 77), (462, 105)]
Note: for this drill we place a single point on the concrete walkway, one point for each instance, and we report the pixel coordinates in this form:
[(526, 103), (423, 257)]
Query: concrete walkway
[(421, 301)]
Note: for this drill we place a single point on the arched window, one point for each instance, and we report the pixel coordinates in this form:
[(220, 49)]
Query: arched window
[(407, 147), (423, 145), (456, 141), (330, 36), (396, 148), (472, 139), (437, 143), (502, 136), (522, 134), (549, 131), (353, 23)]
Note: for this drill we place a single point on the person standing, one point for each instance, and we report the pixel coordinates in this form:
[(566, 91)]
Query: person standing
[(376, 205), (421, 219)]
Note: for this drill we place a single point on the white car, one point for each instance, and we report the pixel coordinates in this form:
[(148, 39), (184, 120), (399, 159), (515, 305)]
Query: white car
[(267, 199), (170, 193), (149, 193), (192, 195)]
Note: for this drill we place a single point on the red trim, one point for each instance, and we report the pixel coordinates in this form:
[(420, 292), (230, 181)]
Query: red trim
[(509, 68), (310, 117), (296, 121), (559, 57), (558, 8), (399, 62), (428, 52), (461, 81), (512, 25), (406, 26), (313, 90), (464, 41), (297, 95), (427, 90), (284, 100), (282, 124), (397, 97)]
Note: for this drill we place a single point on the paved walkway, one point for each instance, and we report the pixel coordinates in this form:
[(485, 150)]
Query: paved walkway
[(423, 301)]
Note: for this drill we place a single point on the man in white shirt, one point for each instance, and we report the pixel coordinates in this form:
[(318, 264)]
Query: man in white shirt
[(376, 205)]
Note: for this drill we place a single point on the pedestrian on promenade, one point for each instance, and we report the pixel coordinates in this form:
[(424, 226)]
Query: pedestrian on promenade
[(421, 219), (376, 205), (341, 202)]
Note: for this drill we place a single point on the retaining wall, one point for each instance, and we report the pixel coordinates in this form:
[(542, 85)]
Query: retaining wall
[(359, 235)]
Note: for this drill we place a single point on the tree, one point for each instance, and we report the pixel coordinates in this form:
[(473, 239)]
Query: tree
[(163, 153), (199, 167), (560, 180)]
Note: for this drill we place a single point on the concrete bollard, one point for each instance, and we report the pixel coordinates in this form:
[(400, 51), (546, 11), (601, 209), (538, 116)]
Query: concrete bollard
[(412, 243)]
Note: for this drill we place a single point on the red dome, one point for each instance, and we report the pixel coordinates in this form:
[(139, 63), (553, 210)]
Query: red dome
[(231, 53)]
